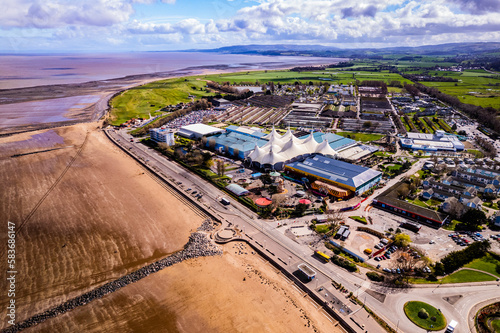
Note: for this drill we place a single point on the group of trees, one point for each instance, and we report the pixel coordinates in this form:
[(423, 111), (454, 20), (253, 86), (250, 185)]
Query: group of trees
[(487, 146), (428, 78), (457, 259)]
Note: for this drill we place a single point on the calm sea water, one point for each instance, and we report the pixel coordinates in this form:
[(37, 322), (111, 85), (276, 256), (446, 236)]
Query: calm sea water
[(18, 71)]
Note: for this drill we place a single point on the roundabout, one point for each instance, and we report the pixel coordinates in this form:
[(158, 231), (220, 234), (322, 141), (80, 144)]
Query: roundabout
[(425, 316)]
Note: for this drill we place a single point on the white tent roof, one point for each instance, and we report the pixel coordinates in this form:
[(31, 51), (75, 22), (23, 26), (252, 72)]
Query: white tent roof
[(293, 148), (272, 158), (310, 144), (274, 141), (257, 152), (272, 134), (287, 135), (325, 149)]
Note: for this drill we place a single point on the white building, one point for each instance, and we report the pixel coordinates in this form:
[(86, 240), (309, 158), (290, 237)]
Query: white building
[(432, 142), (196, 131), (162, 135)]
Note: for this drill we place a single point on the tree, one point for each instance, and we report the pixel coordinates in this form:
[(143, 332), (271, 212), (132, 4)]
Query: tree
[(473, 218), (300, 209), (236, 152), (211, 144), (402, 240), (221, 168), (333, 218), (456, 208)]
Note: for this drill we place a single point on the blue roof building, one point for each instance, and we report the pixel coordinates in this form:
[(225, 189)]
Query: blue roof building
[(354, 178)]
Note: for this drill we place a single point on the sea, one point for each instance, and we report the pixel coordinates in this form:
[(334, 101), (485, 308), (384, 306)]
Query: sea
[(18, 71)]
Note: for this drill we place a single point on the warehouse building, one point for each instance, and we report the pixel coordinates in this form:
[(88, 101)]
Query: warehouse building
[(432, 142), (345, 179), (197, 131)]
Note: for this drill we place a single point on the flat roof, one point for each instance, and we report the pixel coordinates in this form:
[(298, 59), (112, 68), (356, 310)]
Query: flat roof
[(337, 171), (201, 129), (306, 270)]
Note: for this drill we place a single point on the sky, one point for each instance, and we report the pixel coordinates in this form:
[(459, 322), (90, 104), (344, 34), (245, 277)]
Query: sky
[(162, 25)]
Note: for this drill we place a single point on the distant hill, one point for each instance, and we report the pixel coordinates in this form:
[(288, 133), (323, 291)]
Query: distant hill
[(451, 49)]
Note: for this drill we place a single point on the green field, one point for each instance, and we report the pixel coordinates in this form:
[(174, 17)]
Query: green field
[(466, 275), (322, 228), (364, 137), (412, 309), (150, 98), (474, 87), (487, 264), (332, 76)]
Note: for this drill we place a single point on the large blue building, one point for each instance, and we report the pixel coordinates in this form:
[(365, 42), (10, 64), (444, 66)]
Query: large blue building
[(354, 178)]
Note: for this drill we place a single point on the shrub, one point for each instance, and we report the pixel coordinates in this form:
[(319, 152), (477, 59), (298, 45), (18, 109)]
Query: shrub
[(375, 276), (422, 313)]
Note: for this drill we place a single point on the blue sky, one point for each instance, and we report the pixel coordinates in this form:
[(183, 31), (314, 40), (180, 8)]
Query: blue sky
[(144, 25)]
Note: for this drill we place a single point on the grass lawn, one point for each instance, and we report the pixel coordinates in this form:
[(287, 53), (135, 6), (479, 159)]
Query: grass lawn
[(363, 137), (419, 202), (492, 205), (477, 153), (359, 219), (150, 98), (451, 226), (467, 275), (322, 228), (412, 309), (394, 167), (496, 325), (486, 264)]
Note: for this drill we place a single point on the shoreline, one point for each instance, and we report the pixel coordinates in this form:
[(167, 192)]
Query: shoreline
[(105, 89)]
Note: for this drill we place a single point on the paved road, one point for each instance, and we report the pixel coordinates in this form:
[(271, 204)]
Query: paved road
[(290, 254)]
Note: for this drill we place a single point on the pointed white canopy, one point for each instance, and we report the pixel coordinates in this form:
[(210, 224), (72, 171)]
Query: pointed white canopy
[(310, 144), (272, 134), (293, 148), (325, 149), (274, 141), (287, 135), (257, 152), (272, 158)]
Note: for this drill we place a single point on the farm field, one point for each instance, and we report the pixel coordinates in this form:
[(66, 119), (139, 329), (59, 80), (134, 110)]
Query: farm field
[(332, 75), (474, 87), (147, 99)]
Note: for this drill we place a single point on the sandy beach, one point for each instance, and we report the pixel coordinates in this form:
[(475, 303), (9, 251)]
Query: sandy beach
[(105, 217)]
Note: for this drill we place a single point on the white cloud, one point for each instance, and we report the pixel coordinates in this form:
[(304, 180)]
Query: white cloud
[(269, 21), (56, 13)]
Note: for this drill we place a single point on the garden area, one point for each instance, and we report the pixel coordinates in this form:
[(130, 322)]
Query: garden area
[(488, 319), (425, 316)]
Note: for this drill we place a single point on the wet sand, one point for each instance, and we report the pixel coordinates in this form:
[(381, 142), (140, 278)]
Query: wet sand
[(232, 293), (105, 217)]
